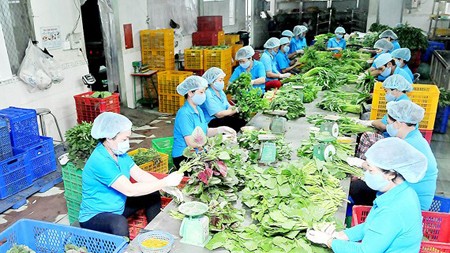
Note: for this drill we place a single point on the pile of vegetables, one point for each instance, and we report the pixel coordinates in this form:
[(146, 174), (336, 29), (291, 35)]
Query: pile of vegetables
[(366, 84), (444, 97), (144, 156), (101, 94), (309, 92), (347, 126), (321, 76), (321, 41), (408, 36), (69, 248), (80, 143), (340, 101), (290, 100)]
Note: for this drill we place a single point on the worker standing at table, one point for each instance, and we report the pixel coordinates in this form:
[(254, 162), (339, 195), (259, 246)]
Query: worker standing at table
[(272, 46), (401, 57), (298, 42), (385, 66), (394, 223), (284, 64), (247, 64), (218, 111), (190, 116), (337, 43), (390, 36)]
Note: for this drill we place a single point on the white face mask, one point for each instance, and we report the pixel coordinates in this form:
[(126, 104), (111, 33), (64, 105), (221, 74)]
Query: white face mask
[(122, 147)]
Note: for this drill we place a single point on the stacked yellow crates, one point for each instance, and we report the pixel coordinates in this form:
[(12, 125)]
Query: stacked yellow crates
[(233, 40), (221, 58), (157, 49), (169, 100), (193, 60)]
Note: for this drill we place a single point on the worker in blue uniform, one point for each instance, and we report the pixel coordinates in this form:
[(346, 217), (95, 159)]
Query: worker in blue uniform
[(298, 42), (394, 223), (337, 43), (391, 37), (381, 46), (288, 34), (273, 76), (108, 195), (284, 64), (218, 111), (190, 116), (247, 64), (385, 66), (401, 57)]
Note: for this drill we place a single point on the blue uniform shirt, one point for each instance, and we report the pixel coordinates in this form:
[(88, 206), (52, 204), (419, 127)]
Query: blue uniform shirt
[(214, 104), (332, 43), (256, 71), (282, 61), (394, 225), (185, 123), (269, 63), (408, 71), (426, 187), (395, 44), (398, 71), (297, 44), (99, 173)]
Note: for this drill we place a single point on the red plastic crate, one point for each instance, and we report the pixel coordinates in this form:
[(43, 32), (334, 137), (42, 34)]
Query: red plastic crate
[(209, 23), (434, 247), (88, 108), (427, 134), (208, 38), (359, 214)]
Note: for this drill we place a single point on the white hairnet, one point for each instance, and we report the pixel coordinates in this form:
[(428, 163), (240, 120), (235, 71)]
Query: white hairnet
[(405, 111), (339, 30), (284, 40), (212, 74), (190, 84), (245, 53), (382, 59), (396, 154), (384, 45), (388, 34), (272, 43), (402, 53), (109, 124), (287, 33), (397, 82), (299, 29)]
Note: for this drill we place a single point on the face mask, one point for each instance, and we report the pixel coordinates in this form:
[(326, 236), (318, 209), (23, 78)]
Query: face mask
[(122, 147), (286, 49), (386, 72), (218, 85), (375, 181), (273, 53), (391, 130), (398, 63), (389, 97), (339, 36), (245, 65), (199, 99)]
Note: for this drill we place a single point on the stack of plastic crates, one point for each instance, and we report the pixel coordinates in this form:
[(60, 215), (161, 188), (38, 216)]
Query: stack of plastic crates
[(157, 49), (72, 177), (442, 115), (209, 32), (193, 60), (5, 141), (424, 95), (88, 108), (233, 40), (169, 100), (164, 145), (220, 58)]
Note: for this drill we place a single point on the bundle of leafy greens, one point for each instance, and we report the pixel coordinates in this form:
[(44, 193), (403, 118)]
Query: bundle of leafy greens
[(144, 156), (321, 41), (341, 101), (367, 83), (321, 76), (347, 126), (290, 100)]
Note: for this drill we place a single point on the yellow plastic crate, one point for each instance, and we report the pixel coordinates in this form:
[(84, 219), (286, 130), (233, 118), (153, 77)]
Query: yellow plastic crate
[(231, 39), (220, 38), (160, 167), (234, 49), (169, 80), (425, 95), (169, 103), (220, 58), (157, 39), (193, 58), (158, 59)]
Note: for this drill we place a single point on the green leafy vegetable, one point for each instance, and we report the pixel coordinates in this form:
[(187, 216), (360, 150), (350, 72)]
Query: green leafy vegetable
[(81, 144)]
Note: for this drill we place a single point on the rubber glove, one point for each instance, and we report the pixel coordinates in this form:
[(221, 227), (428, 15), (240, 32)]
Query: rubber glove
[(173, 179), (174, 192), (318, 237), (354, 161), (252, 82), (285, 75), (226, 130), (300, 51)]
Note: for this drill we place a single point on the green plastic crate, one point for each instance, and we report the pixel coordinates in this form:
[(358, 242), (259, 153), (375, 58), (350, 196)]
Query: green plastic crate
[(73, 209), (72, 177), (164, 145)]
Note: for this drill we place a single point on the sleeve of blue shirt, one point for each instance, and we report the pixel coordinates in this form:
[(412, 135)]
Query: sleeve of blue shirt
[(330, 43), (237, 71), (187, 124), (281, 62), (261, 71), (211, 105), (292, 47), (266, 61), (104, 172), (384, 120)]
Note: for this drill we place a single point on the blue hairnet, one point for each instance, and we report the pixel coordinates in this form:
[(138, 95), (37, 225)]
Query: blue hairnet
[(287, 33), (109, 124), (284, 40), (395, 154), (382, 59), (190, 84), (384, 45), (339, 30), (397, 82), (212, 74), (245, 53), (405, 111), (402, 53), (272, 43), (388, 34)]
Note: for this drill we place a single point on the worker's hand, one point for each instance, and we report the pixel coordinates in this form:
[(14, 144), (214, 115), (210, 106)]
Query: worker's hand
[(300, 51), (367, 123), (252, 82), (174, 192), (234, 109), (173, 179), (226, 130), (339, 49), (318, 237), (354, 161), (285, 75)]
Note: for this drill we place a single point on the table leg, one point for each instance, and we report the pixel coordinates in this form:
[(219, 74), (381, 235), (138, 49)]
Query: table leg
[(135, 99)]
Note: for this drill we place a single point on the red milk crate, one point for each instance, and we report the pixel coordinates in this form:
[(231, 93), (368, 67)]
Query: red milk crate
[(209, 23), (208, 38), (88, 108), (427, 134)]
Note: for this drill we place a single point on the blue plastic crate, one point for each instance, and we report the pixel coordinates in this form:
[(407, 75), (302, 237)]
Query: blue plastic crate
[(14, 174), (41, 157), (432, 45), (440, 204), (441, 122), (23, 126), (5, 140), (49, 237)]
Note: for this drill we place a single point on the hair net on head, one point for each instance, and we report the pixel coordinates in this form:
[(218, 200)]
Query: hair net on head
[(405, 111), (388, 34), (299, 29), (397, 82), (287, 33), (272, 43), (190, 84), (212, 74), (382, 59), (402, 53), (396, 154), (284, 40), (109, 124), (244, 53), (339, 30), (384, 45)]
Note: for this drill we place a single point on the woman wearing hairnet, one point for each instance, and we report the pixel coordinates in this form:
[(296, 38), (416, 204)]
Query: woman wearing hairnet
[(248, 64), (382, 46), (288, 34), (391, 37), (401, 57), (190, 116), (285, 65), (385, 66), (403, 119), (218, 112), (337, 43), (272, 46), (394, 223), (108, 196), (298, 42)]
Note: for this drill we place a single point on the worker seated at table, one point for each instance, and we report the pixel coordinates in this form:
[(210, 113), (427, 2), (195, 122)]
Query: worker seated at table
[(381, 46), (338, 43), (394, 223), (190, 116), (284, 64), (109, 197), (404, 117), (401, 57), (272, 46), (288, 34), (248, 64), (391, 37), (298, 42), (218, 111), (385, 66)]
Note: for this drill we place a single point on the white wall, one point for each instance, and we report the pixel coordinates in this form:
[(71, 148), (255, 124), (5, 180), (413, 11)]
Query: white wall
[(419, 17)]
